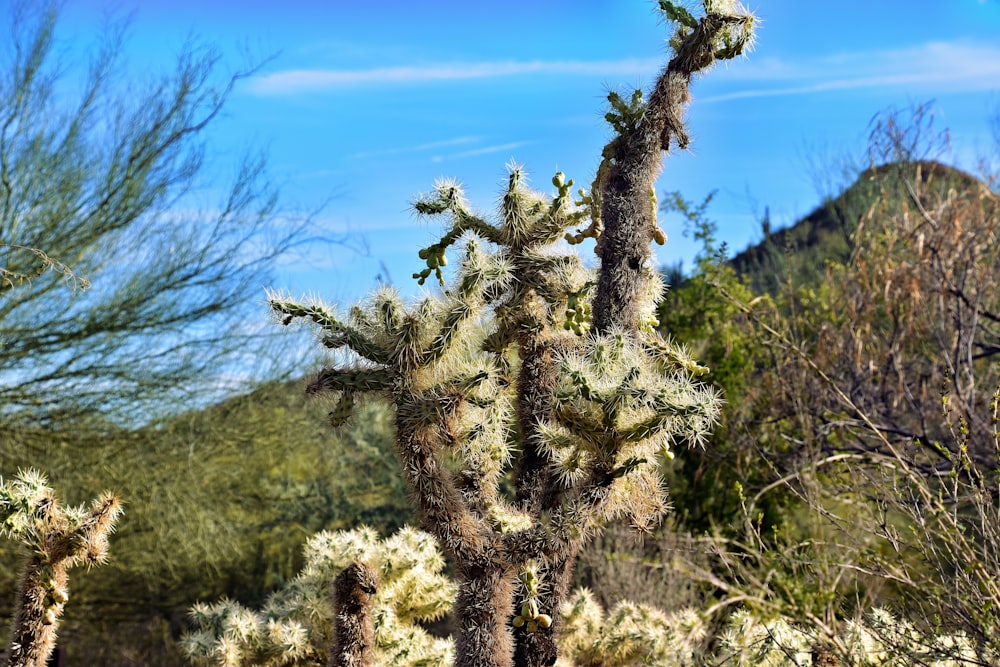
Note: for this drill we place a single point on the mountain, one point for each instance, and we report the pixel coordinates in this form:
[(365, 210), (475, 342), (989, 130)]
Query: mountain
[(803, 249)]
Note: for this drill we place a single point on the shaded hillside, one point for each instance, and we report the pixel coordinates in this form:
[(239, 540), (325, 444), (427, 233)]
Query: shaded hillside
[(218, 502), (802, 250)]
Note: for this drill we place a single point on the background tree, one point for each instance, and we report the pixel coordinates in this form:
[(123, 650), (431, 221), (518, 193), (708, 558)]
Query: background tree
[(110, 179)]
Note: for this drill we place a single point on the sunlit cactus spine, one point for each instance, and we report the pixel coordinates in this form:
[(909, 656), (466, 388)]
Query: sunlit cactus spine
[(350, 579), (524, 362), (54, 539), (628, 634), (879, 639)]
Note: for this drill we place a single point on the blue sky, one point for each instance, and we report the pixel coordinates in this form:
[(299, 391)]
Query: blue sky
[(367, 104)]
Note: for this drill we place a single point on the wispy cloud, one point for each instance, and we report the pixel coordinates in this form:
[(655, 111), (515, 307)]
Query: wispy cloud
[(481, 151), (317, 80), (938, 66), (419, 148)]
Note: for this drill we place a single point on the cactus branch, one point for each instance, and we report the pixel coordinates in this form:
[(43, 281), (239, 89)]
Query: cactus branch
[(354, 630)]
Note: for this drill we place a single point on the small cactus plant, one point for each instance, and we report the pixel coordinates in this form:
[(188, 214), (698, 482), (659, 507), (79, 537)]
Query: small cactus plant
[(54, 539), (350, 579)]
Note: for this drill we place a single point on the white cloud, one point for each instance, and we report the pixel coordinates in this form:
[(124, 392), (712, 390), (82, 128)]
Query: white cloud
[(938, 66), (481, 151), (316, 80), (429, 146)]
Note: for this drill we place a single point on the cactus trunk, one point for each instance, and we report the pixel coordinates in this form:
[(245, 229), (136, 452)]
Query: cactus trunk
[(354, 634), (40, 601), (482, 608)]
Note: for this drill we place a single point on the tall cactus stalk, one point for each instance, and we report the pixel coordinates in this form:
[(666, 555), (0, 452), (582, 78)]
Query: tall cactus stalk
[(505, 372), (55, 539)]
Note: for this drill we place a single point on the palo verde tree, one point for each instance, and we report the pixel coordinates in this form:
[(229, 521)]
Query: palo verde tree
[(527, 364), (108, 175)]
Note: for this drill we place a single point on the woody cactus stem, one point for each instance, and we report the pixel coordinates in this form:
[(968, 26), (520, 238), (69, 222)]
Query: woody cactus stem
[(56, 539), (354, 632), (624, 187)]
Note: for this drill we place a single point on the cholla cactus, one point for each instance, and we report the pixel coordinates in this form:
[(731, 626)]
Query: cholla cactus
[(526, 361), (878, 640), (749, 641), (55, 538), (630, 634), (296, 626)]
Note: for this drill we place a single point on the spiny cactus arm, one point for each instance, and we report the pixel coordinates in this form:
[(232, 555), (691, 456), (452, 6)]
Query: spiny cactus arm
[(632, 160), (352, 379), (692, 419), (456, 316), (423, 431), (448, 198), (89, 541), (520, 209), (672, 355), (336, 333), (563, 212)]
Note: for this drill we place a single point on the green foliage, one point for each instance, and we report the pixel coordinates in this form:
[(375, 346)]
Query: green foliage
[(698, 312), (839, 483)]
